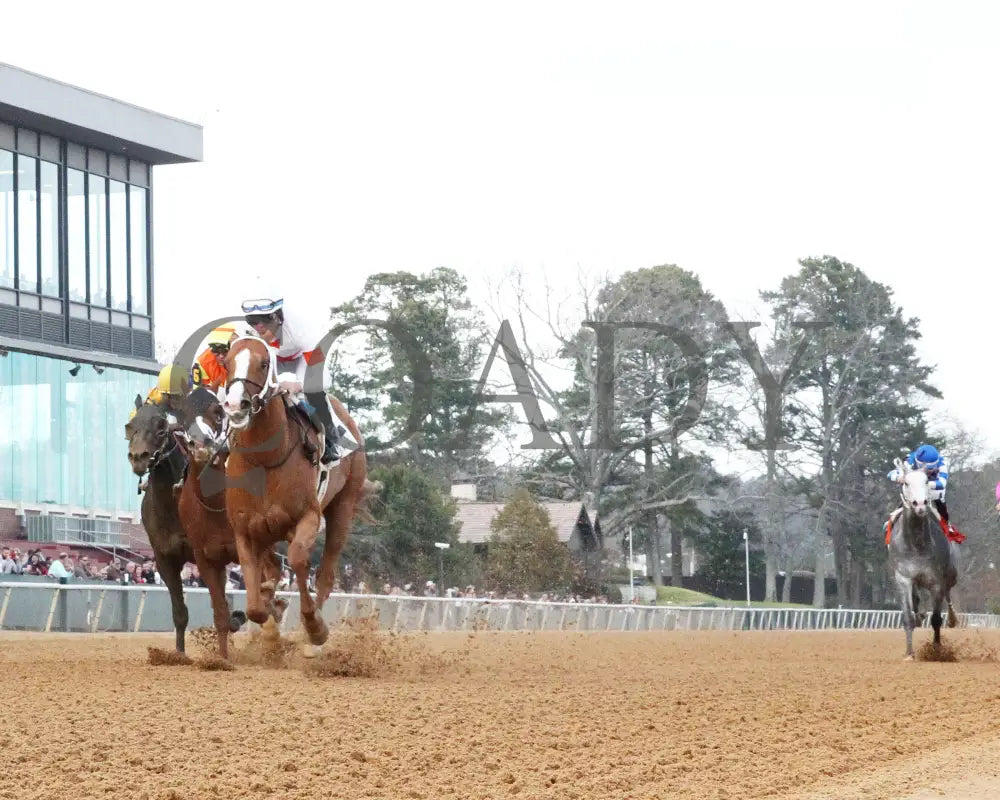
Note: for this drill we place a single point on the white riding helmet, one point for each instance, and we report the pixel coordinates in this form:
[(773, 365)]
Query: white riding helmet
[(267, 300)]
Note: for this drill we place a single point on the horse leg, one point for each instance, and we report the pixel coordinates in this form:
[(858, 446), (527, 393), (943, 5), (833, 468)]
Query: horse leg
[(271, 570), (952, 616), (918, 615), (906, 593), (170, 572), (246, 548), (214, 575), (936, 618), (299, 549), (338, 515)]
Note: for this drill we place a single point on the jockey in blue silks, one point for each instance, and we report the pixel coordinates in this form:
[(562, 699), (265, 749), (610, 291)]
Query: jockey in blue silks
[(927, 458)]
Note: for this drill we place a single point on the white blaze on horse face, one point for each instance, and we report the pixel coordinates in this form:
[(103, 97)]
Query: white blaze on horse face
[(915, 491), (204, 428), (234, 398)]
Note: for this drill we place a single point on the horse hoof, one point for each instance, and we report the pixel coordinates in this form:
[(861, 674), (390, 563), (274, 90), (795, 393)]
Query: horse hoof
[(278, 608), (311, 650), (908, 658), (236, 621), (317, 631)]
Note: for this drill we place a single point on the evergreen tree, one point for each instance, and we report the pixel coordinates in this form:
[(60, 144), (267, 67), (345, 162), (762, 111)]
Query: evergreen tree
[(525, 554)]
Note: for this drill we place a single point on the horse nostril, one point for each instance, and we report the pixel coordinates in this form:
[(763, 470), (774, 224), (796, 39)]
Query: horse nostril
[(245, 404)]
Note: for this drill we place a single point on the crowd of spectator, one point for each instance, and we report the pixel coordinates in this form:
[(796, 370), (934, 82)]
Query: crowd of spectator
[(64, 567), (123, 571)]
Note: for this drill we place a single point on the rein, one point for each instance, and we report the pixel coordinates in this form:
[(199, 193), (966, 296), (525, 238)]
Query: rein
[(157, 457), (288, 455), (197, 494)]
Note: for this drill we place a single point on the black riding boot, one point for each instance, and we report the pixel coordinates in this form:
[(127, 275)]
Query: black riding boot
[(330, 451), (942, 509)]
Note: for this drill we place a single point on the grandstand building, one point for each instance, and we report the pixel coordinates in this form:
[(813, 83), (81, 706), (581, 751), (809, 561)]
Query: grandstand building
[(77, 320)]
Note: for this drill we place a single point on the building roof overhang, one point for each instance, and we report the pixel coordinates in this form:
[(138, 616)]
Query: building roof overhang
[(85, 117)]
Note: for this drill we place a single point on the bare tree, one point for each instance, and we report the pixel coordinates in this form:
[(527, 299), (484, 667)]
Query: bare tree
[(631, 452)]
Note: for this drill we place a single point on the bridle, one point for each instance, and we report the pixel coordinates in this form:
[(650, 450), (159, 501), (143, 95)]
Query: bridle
[(258, 401), (168, 444), (267, 390)]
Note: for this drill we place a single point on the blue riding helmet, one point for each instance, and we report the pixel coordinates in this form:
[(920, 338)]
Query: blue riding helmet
[(926, 456)]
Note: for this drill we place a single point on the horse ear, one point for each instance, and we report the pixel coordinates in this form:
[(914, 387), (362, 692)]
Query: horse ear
[(899, 464), (138, 402)]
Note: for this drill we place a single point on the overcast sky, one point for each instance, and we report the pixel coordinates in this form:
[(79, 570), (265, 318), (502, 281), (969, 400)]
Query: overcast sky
[(728, 138)]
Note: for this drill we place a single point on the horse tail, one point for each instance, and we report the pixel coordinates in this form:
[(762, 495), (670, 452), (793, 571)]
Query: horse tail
[(364, 506)]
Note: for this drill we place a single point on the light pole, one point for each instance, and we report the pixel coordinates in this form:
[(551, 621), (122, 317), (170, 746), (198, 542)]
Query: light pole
[(441, 546), (746, 547), (631, 580)]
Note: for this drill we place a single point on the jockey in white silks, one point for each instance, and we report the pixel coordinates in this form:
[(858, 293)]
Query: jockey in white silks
[(296, 337)]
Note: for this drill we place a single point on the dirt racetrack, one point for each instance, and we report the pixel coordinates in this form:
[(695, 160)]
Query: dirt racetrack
[(491, 715)]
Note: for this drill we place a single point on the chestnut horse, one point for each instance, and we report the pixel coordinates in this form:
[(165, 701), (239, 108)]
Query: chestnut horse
[(271, 486), (202, 508)]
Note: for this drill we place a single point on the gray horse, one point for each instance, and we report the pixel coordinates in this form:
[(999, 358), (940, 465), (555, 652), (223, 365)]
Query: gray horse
[(920, 557)]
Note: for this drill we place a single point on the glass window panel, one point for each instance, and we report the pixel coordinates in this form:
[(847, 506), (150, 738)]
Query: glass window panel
[(62, 438), (98, 223), (97, 161), (76, 234), (119, 246), (27, 141), (49, 148), (76, 155), (118, 167), (137, 173), (48, 200), (6, 218), (137, 243), (27, 223)]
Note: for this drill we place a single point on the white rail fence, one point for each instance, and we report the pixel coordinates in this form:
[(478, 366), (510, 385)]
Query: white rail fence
[(112, 607)]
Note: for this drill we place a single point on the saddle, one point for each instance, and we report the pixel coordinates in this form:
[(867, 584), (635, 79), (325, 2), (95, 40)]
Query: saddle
[(951, 533), (314, 446)]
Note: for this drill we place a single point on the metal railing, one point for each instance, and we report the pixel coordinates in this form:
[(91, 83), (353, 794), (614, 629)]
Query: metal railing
[(94, 607), (74, 530)]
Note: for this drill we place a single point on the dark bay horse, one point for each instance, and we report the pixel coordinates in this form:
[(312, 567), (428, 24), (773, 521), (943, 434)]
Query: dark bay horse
[(152, 449), (201, 504), (273, 442), (920, 557)]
